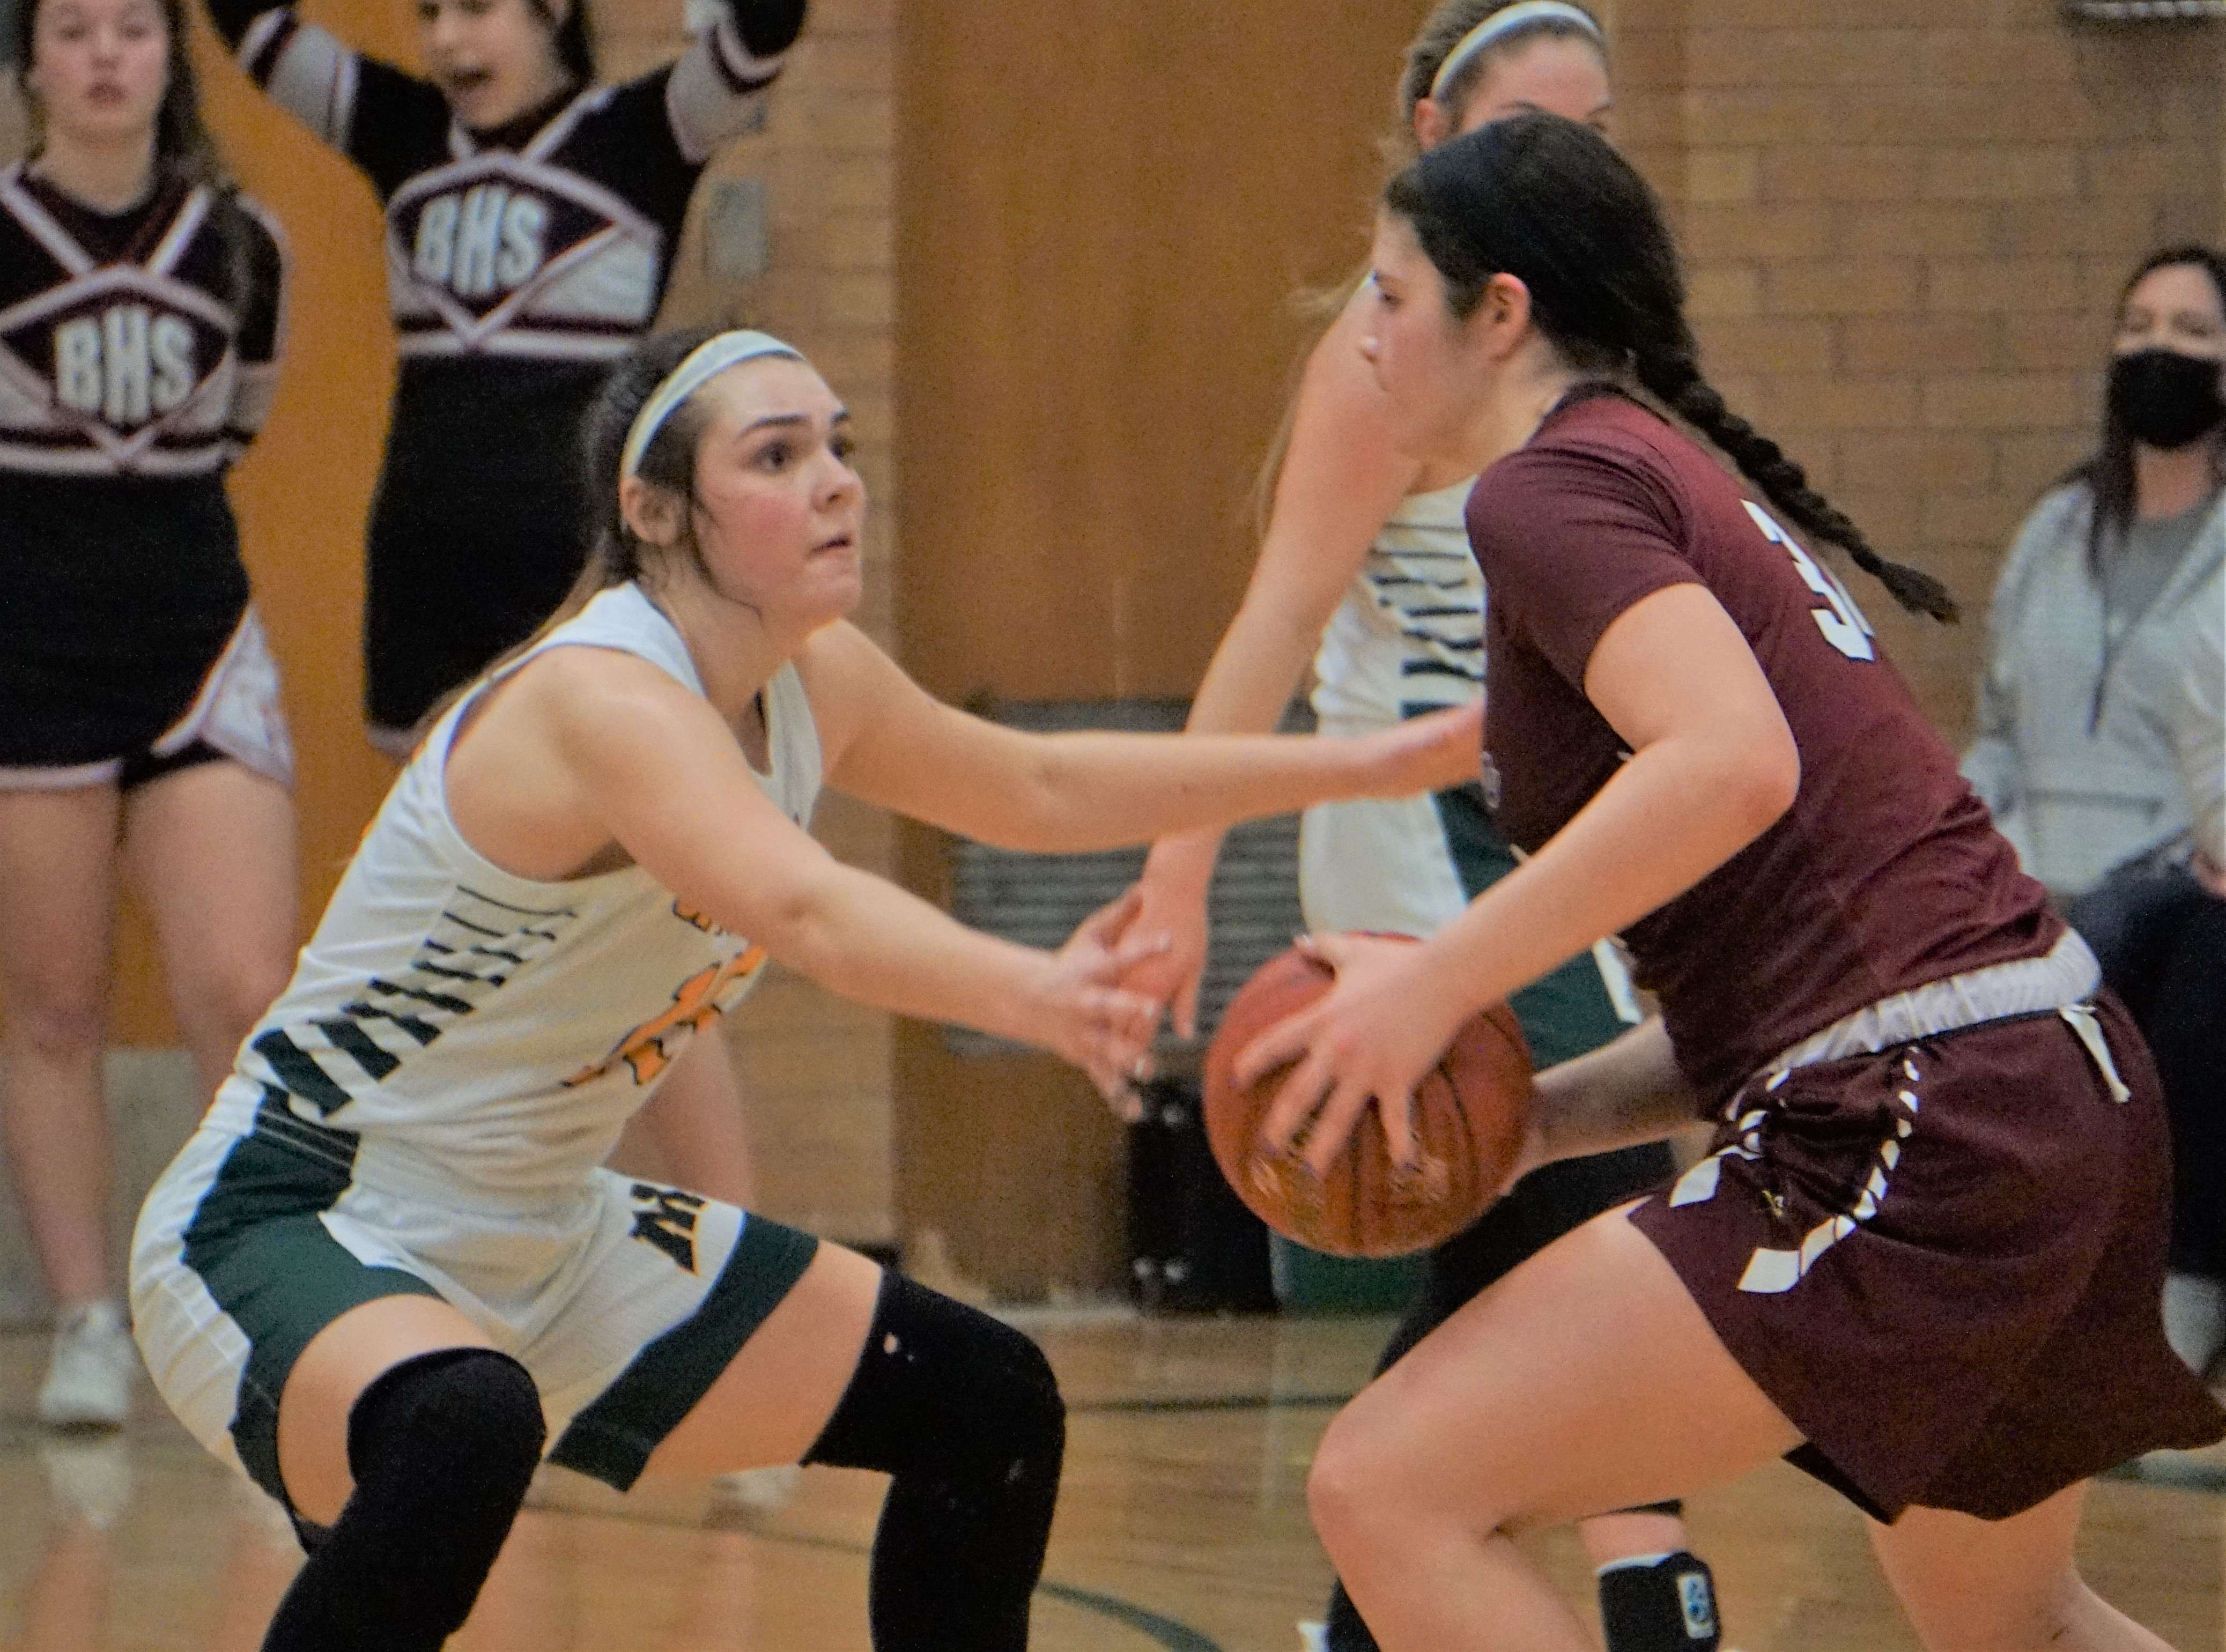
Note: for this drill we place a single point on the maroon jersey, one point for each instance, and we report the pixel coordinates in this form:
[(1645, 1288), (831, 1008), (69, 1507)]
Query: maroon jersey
[(1885, 873)]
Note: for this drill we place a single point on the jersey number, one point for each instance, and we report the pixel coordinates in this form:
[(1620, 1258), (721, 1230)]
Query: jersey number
[(1840, 619)]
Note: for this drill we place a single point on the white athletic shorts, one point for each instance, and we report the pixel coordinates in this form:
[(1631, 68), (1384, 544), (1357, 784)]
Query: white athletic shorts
[(623, 1305)]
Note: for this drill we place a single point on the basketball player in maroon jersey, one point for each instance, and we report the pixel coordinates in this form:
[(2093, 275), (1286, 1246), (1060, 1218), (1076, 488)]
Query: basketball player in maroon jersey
[(1925, 1259)]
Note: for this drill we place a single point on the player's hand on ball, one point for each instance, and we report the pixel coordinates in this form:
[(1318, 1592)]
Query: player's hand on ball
[(1088, 1018), (1371, 1038), (1429, 754)]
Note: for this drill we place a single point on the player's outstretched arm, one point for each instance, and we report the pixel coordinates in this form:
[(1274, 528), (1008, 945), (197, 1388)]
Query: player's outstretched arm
[(1340, 481), (599, 748), (890, 743)]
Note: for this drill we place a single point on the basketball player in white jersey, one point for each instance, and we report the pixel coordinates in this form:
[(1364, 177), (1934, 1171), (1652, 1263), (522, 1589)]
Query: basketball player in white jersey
[(388, 1271), (1365, 570), (532, 214)]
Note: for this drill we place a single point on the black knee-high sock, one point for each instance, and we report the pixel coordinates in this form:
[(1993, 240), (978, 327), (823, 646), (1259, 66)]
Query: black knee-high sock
[(442, 1448), (965, 1415)]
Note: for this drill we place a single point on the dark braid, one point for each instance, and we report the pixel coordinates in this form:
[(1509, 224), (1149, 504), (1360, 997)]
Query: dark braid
[(1549, 202), (1676, 379)]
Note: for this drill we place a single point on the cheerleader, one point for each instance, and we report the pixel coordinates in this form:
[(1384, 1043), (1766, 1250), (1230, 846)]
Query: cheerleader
[(531, 215), (140, 730)]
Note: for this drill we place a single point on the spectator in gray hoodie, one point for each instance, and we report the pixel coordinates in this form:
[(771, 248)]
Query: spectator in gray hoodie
[(2100, 740)]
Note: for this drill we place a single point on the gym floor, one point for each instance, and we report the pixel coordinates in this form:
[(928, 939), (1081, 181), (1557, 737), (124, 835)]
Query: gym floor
[(1182, 1526)]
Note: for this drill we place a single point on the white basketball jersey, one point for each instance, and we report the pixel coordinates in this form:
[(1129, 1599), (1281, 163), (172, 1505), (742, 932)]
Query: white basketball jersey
[(488, 1031), (1410, 630)]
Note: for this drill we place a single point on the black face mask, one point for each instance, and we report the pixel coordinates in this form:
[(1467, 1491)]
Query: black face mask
[(2164, 398)]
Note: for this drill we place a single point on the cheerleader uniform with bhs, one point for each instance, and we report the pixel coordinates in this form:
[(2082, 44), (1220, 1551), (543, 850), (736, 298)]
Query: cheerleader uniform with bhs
[(521, 263), (138, 354)]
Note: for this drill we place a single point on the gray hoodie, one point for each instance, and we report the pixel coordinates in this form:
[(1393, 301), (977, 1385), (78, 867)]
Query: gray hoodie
[(2077, 793)]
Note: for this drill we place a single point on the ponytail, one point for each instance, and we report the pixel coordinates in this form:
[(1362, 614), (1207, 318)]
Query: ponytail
[(1549, 202)]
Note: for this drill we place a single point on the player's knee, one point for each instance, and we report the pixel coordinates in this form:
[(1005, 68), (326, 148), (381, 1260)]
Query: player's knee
[(1348, 1489), (470, 1417), (1372, 1486), (1026, 1397), (946, 1391)]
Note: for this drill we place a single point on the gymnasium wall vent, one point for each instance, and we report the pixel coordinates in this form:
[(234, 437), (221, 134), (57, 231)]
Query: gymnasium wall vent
[(1037, 899), (2145, 11)]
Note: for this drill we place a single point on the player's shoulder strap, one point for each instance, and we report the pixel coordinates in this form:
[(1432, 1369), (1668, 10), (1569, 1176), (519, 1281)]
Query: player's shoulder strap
[(622, 618)]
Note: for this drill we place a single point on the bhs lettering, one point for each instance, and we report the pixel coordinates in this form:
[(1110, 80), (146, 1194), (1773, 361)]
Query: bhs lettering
[(486, 240), (126, 366)]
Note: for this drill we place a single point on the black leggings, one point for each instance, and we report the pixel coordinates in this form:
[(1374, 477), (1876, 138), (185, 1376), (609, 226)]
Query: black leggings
[(2161, 939), (961, 1412)]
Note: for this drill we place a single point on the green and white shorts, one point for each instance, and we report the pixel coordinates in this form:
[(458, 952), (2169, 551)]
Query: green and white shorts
[(624, 1305)]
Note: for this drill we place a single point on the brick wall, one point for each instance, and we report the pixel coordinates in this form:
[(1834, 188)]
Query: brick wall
[(1906, 224), (818, 1069)]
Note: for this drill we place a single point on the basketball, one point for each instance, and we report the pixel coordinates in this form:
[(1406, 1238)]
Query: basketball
[(1470, 1116)]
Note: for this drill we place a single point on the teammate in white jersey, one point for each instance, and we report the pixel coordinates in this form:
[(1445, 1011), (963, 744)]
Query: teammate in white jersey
[(388, 1269), (1365, 569)]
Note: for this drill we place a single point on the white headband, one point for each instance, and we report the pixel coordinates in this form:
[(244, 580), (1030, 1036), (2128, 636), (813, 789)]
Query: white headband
[(1500, 24), (704, 362)]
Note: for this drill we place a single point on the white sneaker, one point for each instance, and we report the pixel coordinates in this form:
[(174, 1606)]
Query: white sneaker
[(756, 1492), (89, 1383)]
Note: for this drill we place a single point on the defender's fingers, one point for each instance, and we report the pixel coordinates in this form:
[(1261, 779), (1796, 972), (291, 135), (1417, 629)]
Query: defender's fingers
[(1186, 1005), (1134, 949), (1109, 920)]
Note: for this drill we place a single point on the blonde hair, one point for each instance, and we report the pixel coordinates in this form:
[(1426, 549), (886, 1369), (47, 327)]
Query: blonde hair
[(1449, 23)]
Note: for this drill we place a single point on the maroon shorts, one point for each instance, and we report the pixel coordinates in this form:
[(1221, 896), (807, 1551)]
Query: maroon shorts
[(1945, 1263)]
